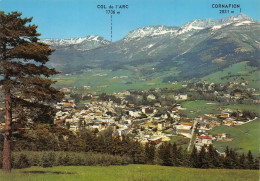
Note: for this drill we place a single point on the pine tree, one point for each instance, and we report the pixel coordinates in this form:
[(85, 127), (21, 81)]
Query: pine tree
[(137, 153), (164, 154), (213, 157), (234, 160), (202, 158), (149, 153), (186, 158), (174, 155), (227, 152), (194, 157), (227, 160), (257, 163), (242, 161), (124, 145), (250, 160), (180, 156), (25, 78)]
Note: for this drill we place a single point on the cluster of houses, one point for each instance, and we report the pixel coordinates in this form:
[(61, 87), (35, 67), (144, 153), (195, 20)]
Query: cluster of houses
[(150, 123), (96, 115), (142, 123)]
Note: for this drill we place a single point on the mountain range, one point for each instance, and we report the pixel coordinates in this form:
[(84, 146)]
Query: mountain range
[(196, 49)]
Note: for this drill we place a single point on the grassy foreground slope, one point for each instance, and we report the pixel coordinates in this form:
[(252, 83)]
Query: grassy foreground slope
[(246, 137), (128, 173)]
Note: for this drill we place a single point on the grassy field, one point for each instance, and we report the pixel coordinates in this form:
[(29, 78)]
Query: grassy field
[(237, 72), (180, 141), (199, 107), (114, 81), (246, 137), (249, 107), (110, 81), (128, 173)]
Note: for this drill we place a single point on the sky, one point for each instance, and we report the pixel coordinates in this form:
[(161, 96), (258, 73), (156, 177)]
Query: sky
[(80, 18)]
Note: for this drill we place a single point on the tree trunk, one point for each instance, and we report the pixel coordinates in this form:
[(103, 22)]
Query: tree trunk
[(7, 136)]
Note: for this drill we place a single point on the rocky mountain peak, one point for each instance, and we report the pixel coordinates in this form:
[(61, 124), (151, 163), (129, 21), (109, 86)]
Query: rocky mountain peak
[(236, 18), (81, 43), (150, 31)]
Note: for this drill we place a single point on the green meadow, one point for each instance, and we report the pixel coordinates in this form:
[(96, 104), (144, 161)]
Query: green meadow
[(110, 81), (236, 72), (180, 141), (250, 107), (104, 80), (128, 173), (246, 137), (199, 107)]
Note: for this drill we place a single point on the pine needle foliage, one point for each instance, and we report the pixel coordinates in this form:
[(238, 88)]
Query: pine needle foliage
[(25, 79)]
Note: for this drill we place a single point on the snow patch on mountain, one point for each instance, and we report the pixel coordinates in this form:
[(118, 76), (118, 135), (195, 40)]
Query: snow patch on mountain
[(233, 19), (240, 19), (150, 46), (193, 26), (147, 47), (258, 43), (217, 27), (150, 31), (188, 28), (243, 23), (85, 43), (183, 32)]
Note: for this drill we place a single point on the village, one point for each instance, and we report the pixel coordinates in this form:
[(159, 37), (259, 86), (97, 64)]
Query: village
[(157, 115), (150, 120)]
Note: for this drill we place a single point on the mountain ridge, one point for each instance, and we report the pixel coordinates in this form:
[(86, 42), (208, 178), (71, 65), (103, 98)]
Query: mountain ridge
[(193, 50), (80, 43), (152, 30)]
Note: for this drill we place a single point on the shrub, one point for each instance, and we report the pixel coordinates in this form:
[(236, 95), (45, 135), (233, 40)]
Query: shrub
[(26, 159), (20, 160), (47, 159), (64, 159)]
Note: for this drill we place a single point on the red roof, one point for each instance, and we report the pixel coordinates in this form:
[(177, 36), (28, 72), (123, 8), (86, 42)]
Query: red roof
[(187, 124), (204, 137), (59, 121)]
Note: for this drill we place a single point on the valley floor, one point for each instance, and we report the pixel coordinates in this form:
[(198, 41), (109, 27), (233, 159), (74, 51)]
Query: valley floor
[(128, 173)]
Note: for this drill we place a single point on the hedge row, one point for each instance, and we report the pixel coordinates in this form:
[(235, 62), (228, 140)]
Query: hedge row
[(26, 159)]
